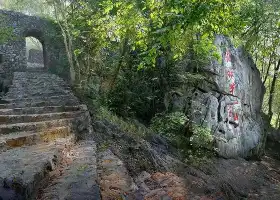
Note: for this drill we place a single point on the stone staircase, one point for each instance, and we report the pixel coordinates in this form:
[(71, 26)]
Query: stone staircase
[(39, 117), (46, 151)]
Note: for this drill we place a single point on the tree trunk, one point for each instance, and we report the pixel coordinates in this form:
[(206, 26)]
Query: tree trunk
[(272, 90), (66, 38), (268, 68), (278, 120), (118, 69)]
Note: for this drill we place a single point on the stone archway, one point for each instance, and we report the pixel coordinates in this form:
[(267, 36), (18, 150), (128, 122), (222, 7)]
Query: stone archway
[(13, 51), (38, 35)]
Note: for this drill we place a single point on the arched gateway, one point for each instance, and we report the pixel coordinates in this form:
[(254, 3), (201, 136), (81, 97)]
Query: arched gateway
[(13, 48)]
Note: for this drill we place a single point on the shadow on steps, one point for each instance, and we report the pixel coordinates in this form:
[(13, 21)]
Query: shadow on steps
[(8, 194)]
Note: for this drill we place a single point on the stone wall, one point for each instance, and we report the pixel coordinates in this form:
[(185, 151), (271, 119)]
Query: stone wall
[(13, 50), (231, 106)]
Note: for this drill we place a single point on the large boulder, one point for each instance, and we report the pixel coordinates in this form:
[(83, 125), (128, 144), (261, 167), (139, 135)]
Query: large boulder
[(231, 109)]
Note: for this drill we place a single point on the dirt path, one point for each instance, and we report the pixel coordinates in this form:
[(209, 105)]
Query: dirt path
[(236, 179)]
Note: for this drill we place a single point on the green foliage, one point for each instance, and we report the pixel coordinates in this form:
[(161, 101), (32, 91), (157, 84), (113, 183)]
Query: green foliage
[(29, 7), (198, 157), (195, 144), (140, 93), (128, 54), (261, 39), (126, 125), (6, 32), (201, 138), (201, 146), (170, 125), (134, 47)]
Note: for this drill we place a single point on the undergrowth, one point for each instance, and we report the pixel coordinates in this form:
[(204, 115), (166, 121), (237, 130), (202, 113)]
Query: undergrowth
[(130, 126), (195, 144)]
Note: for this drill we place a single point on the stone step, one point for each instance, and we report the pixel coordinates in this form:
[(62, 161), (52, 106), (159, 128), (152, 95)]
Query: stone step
[(78, 179), (32, 74), (36, 69), (32, 94), (6, 106), (40, 110), (25, 87), (22, 75), (37, 85), (34, 126), (3, 101), (38, 77), (40, 80), (41, 98), (13, 119), (37, 91), (21, 169), (19, 139), (50, 102)]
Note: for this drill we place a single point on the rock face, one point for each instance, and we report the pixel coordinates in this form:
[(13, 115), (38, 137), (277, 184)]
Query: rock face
[(232, 108)]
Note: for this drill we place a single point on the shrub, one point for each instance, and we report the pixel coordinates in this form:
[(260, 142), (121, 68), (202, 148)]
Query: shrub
[(170, 125), (201, 138), (201, 143), (196, 148), (128, 126)]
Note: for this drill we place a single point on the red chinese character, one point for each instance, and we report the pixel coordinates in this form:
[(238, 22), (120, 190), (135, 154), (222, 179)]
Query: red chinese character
[(230, 73), (235, 117), (231, 88), (230, 111), (228, 57)]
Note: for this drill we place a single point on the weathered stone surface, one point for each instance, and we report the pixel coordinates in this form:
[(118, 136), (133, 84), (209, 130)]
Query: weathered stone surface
[(23, 168), (33, 89), (116, 183), (114, 180), (126, 156), (4, 119), (77, 176), (34, 126), (19, 139), (161, 186), (40, 110), (231, 107)]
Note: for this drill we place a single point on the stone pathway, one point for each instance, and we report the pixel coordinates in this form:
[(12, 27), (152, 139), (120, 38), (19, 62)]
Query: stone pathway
[(38, 134), (76, 177)]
